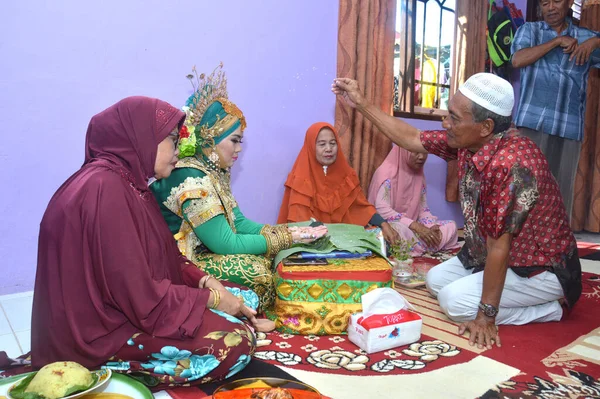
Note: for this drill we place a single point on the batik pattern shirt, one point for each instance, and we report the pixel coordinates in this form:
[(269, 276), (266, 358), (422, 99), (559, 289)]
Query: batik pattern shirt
[(507, 187)]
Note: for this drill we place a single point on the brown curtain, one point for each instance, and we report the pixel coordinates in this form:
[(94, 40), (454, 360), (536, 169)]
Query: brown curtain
[(469, 59), (366, 36), (586, 202)]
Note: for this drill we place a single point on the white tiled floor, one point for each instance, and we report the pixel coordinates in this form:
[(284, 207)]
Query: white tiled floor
[(15, 323), (15, 327)]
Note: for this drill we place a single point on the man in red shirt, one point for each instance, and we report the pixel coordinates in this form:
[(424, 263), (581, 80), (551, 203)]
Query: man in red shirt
[(519, 262)]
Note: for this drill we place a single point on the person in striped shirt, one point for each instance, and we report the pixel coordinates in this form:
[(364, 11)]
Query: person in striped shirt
[(555, 57)]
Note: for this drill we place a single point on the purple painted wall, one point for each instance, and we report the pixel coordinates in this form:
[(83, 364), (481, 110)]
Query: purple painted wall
[(63, 62)]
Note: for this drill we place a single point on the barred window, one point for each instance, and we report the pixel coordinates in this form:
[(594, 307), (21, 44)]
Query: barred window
[(423, 52), (576, 8)]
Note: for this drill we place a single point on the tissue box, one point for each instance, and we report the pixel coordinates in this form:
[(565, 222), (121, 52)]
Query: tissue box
[(379, 332)]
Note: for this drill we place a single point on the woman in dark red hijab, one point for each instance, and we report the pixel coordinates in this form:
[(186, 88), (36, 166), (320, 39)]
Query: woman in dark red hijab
[(111, 285)]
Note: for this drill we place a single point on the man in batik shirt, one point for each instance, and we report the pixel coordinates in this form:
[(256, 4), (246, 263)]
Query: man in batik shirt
[(519, 263)]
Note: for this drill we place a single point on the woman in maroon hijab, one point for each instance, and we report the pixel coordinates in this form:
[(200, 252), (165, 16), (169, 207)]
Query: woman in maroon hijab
[(111, 287)]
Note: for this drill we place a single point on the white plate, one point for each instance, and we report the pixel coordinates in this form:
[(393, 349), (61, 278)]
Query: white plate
[(118, 383), (124, 385), (103, 378)]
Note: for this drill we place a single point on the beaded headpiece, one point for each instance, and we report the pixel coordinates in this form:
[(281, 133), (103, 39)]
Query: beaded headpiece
[(210, 116)]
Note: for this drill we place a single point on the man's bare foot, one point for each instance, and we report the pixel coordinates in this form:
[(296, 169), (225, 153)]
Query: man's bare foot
[(264, 325)]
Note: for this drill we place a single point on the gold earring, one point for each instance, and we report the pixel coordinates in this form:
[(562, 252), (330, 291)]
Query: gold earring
[(214, 158)]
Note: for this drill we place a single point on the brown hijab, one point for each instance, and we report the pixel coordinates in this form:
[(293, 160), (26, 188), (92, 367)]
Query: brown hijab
[(335, 198), (108, 266)]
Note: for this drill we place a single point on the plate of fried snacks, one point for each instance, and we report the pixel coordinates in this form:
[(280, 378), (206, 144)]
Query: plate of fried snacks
[(266, 388)]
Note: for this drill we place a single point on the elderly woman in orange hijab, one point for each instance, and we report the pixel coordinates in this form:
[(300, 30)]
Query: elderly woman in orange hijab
[(322, 185)]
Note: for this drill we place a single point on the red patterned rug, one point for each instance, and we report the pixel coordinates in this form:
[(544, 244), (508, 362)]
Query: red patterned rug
[(549, 360)]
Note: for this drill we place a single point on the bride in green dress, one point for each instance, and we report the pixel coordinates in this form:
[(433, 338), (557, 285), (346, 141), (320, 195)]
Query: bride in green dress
[(197, 203)]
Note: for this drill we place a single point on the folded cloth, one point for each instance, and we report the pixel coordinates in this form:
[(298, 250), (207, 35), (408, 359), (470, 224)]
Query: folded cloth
[(10, 367), (5, 361), (8, 363)]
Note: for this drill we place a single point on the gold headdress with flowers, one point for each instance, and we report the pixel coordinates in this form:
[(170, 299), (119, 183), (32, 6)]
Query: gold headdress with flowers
[(210, 116)]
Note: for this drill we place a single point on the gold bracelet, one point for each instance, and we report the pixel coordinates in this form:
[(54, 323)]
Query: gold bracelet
[(278, 238), (267, 228), (269, 242), (285, 237), (216, 298), (289, 240), (271, 239), (281, 234)]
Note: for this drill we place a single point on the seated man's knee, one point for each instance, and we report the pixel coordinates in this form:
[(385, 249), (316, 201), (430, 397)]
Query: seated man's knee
[(435, 280), (456, 305)]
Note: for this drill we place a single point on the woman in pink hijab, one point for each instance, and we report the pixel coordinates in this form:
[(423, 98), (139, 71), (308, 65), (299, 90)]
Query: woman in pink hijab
[(111, 287), (398, 191)]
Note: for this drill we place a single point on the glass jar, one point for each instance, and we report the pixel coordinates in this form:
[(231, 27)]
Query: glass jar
[(402, 270)]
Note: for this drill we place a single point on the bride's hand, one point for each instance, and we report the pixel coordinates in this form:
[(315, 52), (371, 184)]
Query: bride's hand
[(307, 235)]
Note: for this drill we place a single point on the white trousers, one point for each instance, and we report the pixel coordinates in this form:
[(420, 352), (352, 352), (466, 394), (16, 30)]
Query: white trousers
[(524, 300)]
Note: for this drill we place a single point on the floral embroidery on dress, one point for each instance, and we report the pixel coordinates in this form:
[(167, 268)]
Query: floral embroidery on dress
[(250, 297), (198, 359), (395, 218), (231, 338), (199, 366), (198, 212), (253, 271), (387, 186), (425, 215), (171, 353), (221, 183), (167, 360), (204, 199), (206, 203), (161, 367)]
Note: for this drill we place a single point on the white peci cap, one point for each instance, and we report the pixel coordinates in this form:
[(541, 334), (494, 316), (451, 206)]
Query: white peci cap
[(491, 92)]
